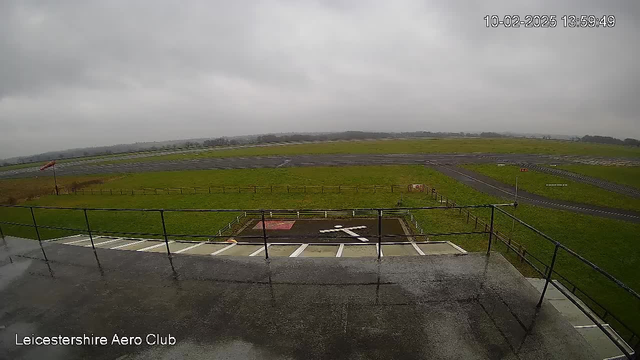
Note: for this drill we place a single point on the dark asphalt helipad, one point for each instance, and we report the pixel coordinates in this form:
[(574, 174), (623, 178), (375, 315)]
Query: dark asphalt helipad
[(424, 307)]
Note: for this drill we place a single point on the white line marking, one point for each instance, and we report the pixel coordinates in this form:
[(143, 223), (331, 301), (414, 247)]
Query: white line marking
[(104, 242), (64, 237), (129, 244), (223, 249), (189, 248), (79, 241), (340, 249), (415, 246), (381, 254), (347, 231), (259, 250), (299, 250), (154, 246), (586, 326), (457, 247)]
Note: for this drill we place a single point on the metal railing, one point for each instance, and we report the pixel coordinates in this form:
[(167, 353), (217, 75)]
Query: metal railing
[(379, 213)]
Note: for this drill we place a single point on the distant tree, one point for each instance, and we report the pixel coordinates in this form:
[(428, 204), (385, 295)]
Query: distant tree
[(631, 142)]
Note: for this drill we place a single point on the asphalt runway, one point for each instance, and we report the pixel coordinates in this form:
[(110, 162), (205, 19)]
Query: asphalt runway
[(254, 162), (496, 188)]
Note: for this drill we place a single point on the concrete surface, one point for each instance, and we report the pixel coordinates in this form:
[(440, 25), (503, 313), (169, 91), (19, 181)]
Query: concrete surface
[(599, 341), (423, 307)]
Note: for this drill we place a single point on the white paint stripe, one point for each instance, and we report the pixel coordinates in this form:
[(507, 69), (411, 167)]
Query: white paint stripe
[(223, 249), (189, 248), (129, 244), (79, 241), (415, 246), (349, 232), (299, 250), (64, 237), (155, 246), (104, 242), (342, 229), (457, 247), (340, 249), (586, 326), (259, 250)]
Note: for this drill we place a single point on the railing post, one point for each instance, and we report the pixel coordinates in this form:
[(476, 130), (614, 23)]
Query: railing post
[(164, 231), (86, 219), (264, 236), (35, 225), (379, 234), (553, 262), (493, 208)]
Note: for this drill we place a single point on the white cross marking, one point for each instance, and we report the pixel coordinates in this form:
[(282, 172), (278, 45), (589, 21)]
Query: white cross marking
[(348, 231)]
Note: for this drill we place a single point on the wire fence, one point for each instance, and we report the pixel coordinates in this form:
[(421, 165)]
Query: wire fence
[(255, 189)]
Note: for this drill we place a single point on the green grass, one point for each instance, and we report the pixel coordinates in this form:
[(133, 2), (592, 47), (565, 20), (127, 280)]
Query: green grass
[(610, 244), (625, 175), (535, 182), (454, 145)]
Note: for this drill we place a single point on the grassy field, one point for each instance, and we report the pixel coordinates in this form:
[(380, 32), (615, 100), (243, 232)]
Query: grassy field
[(609, 243), (535, 182), (454, 145), (16, 190), (625, 175)]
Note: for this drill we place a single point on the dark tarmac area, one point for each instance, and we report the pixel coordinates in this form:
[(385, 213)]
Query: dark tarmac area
[(308, 231), (254, 162), (424, 307), (496, 188)]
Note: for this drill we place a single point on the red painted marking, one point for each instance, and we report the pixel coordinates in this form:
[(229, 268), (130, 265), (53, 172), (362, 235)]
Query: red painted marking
[(275, 225)]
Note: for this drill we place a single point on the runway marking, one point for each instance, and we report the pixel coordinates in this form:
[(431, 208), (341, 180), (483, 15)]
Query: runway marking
[(415, 246), (299, 250), (284, 163), (104, 242), (154, 246), (189, 248), (125, 245), (223, 249), (348, 231), (259, 250), (340, 250), (79, 241)]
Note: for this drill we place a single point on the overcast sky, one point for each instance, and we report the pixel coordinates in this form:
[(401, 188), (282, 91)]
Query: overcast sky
[(88, 73)]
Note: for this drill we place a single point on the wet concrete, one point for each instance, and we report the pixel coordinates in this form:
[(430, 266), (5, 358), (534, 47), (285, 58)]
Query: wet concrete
[(423, 307)]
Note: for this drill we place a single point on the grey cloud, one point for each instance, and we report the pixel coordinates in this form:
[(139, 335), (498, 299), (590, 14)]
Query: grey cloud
[(83, 73)]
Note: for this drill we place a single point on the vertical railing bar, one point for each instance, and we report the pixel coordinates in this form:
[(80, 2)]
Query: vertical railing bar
[(491, 229), (86, 219), (549, 274), (379, 234), (264, 236), (164, 231), (35, 225)]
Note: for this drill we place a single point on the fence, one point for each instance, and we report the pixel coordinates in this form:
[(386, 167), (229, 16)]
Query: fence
[(231, 189), (545, 270), (540, 267)]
